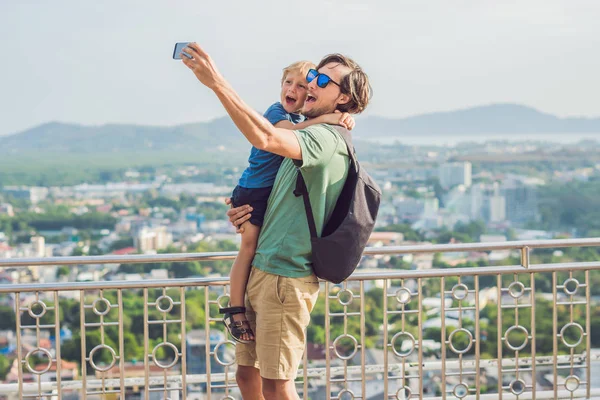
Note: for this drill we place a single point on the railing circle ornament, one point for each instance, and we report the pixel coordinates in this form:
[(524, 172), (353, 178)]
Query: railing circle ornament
[(169, 301), (525, 340), (354, 343), (461, 390), (403, 295), (571, 282), (175, 355), (404, 393), (98, 302), (42, 312), (516, 289), (581, 334), (460, 291), (517, 386), (453, 348), (228, 398), (216, 353), (44, 352), (346, 394), (572, 383), (345, 297), (405, 353), (220, 299), (112, 362)]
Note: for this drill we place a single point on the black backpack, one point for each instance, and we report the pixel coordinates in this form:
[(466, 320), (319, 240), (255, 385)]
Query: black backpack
[(336, 254)]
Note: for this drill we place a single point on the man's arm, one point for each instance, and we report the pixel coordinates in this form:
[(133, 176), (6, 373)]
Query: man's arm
[(259, 132), (257, 129)]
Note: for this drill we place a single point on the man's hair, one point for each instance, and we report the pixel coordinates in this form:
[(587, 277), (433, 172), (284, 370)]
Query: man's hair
[(355, 84), (300, 67)]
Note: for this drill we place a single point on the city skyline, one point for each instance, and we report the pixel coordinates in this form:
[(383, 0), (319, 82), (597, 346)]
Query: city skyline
[(111, 63)]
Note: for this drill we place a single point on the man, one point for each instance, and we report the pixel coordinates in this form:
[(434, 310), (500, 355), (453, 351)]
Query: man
[(282, 288)]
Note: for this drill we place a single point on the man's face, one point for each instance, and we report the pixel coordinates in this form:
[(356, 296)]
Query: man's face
[(293, 92), (325, 100)]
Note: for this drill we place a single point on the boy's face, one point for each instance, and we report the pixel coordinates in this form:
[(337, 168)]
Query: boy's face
[(293, 92)]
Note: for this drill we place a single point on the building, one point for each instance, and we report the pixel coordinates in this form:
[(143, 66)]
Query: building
[(431, 206), (408, 208), (385, 238), (457, 202), (152, 239), (477, 201), (38, 243), (521, 196), (196, 352), (7, 209), (497, 208), (33, 194), (134, 369), (455, 173)]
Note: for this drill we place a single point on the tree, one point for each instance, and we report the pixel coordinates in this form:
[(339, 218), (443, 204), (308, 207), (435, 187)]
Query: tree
[(8, 319), (133, 350), (447, 236), (408, 232), (77, 251), (473, 229), (186, 269), (71, 349), (121, 244), (62, 271), (5, 364)]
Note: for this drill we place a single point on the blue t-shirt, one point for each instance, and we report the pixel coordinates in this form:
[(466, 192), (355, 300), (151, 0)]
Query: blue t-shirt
[(263, 166)]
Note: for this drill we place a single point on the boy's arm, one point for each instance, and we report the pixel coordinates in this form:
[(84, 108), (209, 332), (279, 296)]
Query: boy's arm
[(342, 119)]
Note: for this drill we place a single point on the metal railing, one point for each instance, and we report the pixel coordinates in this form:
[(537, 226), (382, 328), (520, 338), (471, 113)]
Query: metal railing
[(442, 333)]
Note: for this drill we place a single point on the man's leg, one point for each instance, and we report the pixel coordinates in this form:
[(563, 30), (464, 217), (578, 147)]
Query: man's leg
[(249, 382), (278, 389), (283, 307)]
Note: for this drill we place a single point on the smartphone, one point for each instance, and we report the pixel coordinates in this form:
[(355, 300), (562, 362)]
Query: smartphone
[(178, 51)]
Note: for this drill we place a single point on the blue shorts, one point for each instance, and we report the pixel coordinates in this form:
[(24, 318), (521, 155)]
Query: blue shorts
[(256, 197)]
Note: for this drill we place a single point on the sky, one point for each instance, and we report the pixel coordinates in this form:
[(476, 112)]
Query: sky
[(110, 61)]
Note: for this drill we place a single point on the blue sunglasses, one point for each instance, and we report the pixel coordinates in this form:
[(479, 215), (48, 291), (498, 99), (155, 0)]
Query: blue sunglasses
[(322, 79)]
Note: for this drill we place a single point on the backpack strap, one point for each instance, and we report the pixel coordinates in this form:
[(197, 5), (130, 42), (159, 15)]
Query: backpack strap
[(345, 134), (302, 190)]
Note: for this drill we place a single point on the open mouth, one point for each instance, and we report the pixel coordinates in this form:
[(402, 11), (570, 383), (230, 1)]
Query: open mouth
[(290, 100), (310, 99)]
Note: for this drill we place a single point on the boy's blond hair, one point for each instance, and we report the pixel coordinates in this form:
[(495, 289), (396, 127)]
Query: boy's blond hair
[(300, 67)]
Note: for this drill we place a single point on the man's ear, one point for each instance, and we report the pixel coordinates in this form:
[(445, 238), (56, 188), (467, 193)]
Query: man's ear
[(343, 99)]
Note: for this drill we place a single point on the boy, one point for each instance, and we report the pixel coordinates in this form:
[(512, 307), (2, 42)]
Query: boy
[(256, 183)]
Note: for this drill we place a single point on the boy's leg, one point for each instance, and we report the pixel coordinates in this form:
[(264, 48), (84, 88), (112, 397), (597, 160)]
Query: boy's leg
[(241, 270)]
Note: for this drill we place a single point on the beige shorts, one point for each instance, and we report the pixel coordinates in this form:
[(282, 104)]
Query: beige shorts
[(278, 309)]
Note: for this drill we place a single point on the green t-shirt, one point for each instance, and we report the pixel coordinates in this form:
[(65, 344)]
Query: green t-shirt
[(284, 243)]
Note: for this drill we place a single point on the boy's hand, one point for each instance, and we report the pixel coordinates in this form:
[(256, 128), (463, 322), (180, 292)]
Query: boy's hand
[(339, 118), (202, 65), (346, 120)]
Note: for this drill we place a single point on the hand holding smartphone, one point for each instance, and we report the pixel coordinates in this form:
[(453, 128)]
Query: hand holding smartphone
[(178, 51)]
